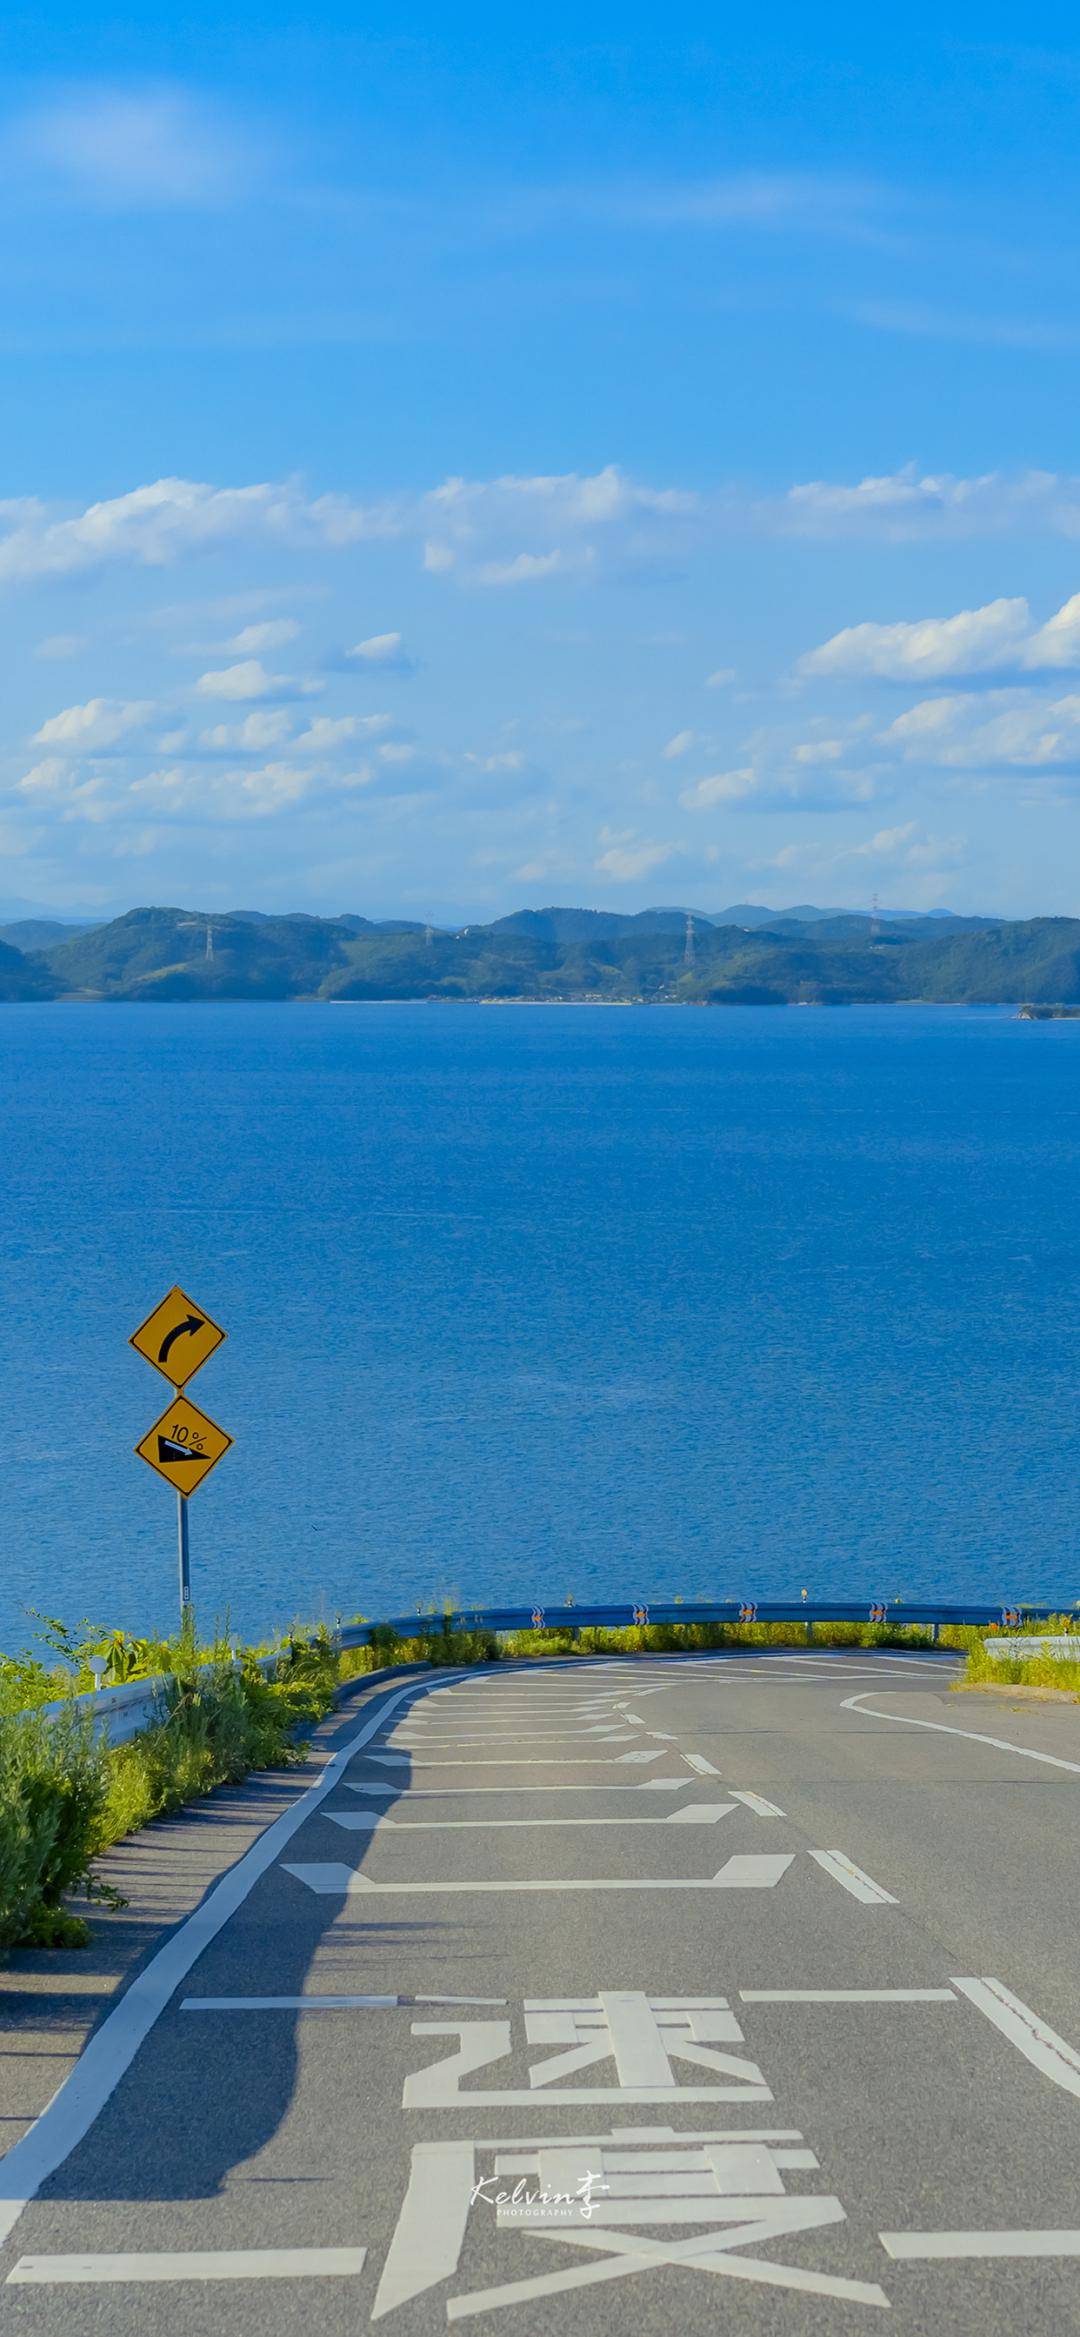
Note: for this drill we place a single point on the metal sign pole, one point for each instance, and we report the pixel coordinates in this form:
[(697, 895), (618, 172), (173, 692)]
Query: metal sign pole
[(184, 1553)]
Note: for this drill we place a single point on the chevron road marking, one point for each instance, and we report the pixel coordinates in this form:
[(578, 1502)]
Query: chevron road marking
[(746, 1871), (545, 1761), (466, 1792), (695, 1813)]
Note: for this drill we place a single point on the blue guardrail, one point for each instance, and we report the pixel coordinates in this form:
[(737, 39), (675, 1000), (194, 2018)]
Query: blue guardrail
[(558, 1616)]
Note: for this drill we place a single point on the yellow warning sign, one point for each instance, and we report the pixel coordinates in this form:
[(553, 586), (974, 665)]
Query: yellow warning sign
[(178, 1338), (184, 1445)]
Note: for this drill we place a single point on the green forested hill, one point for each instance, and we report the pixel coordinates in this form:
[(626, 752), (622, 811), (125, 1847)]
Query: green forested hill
[(801, 957), (23, 978)]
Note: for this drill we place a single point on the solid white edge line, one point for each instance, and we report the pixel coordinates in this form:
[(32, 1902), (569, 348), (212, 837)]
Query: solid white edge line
[(942, 1728), (851, 1878), (924, 2247), (193, 2264), (847, 1996), (323, 2003), (1034, 2038), (111, 2050)]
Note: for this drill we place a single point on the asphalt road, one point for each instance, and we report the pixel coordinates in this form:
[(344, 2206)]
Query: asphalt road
[(756, 2003)]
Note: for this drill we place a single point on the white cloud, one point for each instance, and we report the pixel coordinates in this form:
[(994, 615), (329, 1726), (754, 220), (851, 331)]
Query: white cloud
[(505, 759), (626, 856), (67, 789), (721, 787), (808, 201), (193, 793), (906, 847), (100, 723), (780, 775), (485, 531), (250, 680), (122, 147), (255, 735), (275, 633), (530, 567), (61, 645), (326, 732), (720, 679), (386, 651), (154, 526), (47, 777), (520, 529), (1057, 643), (906, 505), (975, 641), (679, 745), (820, 750), (922, 321), (1007, 728), (999, 637)]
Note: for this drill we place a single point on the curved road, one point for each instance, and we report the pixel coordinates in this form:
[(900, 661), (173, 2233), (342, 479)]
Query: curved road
[(681, 1994)]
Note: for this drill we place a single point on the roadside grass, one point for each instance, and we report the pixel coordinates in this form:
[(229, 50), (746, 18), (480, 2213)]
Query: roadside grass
[(1043, 1672), (64, 1797), (563, 1638)]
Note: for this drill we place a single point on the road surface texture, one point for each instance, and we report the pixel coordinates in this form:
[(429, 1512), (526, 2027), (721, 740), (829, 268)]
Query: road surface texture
[(668, 1995)]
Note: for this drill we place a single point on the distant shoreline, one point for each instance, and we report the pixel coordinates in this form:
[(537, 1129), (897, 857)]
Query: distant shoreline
[(1015, 1008), (552, 957)]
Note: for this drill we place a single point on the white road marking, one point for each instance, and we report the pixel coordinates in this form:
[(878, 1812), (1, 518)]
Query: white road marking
[(467, 1792), (838, 1658), (427, 2242), (545, 1761), (1034, 2038), (847, 1996), (194, 2264), (496, 1735), (491, 1736), (627, 2254), (851, 1878), (942, 1728), (111, 2050), (757, 1803), (697, 1813), (921, 2247), (321, 2003), (704, 1768), (745, 1871)]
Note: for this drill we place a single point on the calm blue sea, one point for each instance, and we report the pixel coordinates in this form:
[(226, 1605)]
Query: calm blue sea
[(525, 1302)]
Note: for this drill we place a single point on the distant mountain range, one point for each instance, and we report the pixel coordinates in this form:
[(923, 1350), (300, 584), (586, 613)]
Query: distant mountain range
[(743, 955)]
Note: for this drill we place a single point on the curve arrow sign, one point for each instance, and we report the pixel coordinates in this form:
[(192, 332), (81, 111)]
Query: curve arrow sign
[(179, 1331)]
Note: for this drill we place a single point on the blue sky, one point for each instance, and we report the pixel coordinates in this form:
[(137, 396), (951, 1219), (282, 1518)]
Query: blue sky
[(463, 464)]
